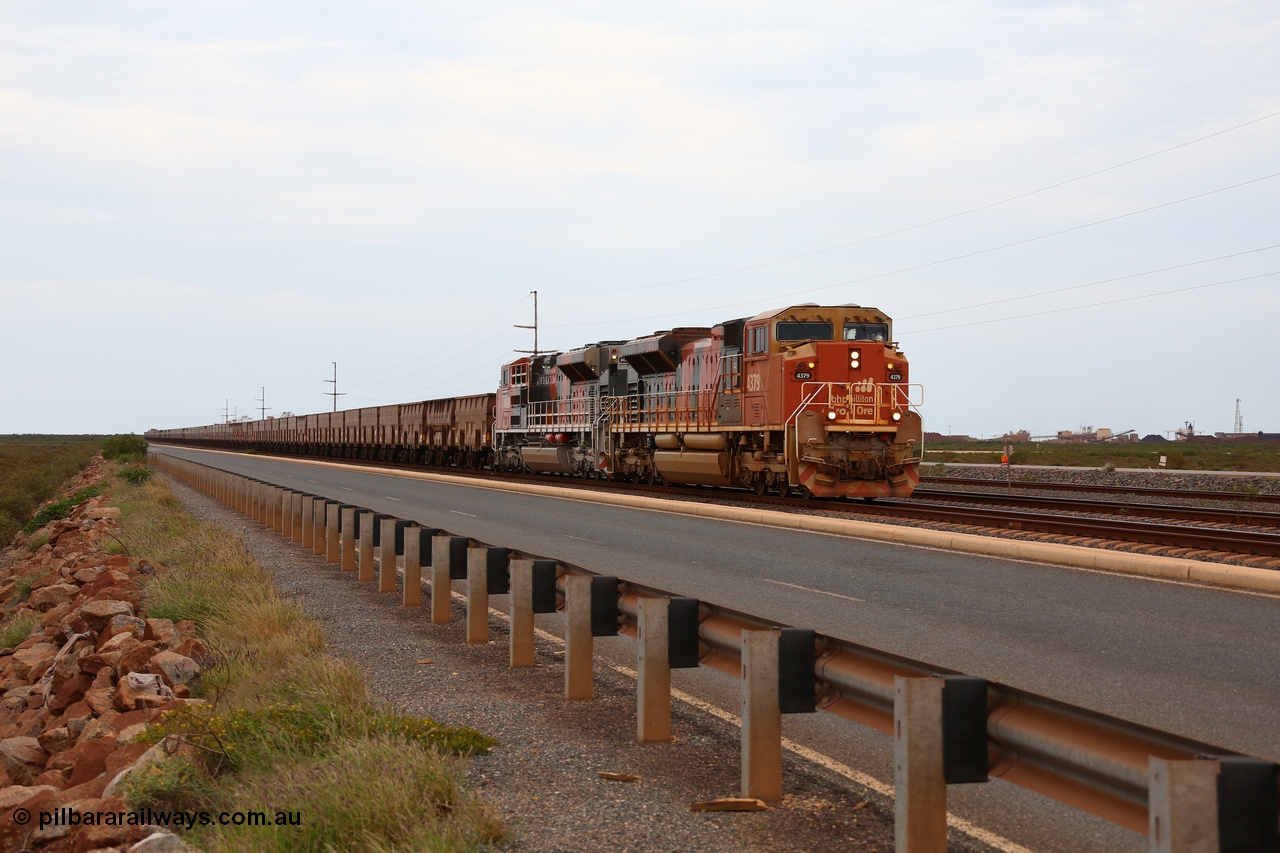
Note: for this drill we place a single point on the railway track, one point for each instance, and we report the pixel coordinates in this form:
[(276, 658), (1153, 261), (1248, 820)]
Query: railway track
[(1241, 497), (1249, 534), (1197, 515)]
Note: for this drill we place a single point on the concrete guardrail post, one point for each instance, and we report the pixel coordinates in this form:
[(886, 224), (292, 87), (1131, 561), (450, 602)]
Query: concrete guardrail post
[(296, 511), (332, 531), (521, 613), (347, 537), (387, 556), (653, 668), (761, 717), (412, 595), (308, 521), (284, 512), (318, 533), (478, 595), (578, 641), (920, 788), (365, 561), (441, 579), (1183, 806)]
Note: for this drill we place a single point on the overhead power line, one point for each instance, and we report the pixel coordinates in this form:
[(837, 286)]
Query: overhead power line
[(960, 257), (926, 224), (1089, 284), (1097, 304)]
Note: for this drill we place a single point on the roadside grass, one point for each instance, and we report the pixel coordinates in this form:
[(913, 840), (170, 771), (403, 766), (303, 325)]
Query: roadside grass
[(16, 629), (286, 728)]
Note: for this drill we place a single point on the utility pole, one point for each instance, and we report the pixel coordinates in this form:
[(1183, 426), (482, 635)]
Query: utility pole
[(1239, 419), (335, 394), (535, 349), (263, 401), (226, 411)]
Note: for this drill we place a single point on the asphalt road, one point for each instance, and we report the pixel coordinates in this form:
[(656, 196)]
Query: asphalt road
[(1198, 661)]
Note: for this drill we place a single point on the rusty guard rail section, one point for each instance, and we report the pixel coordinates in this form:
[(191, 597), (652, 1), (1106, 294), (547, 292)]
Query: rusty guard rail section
[(1089, 760)]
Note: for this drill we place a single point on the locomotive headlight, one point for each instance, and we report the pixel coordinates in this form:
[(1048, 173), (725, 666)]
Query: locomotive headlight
[(889, 366), (897, 416), (831, 416), (855, 359), (812, 365)]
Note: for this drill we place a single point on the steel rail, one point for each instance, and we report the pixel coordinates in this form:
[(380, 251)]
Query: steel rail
[(1241, 517), (1261, 543), (1195, 538), (1146, 492)]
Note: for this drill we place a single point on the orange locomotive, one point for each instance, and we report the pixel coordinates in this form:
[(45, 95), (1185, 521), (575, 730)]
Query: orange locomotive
[(810, 399)]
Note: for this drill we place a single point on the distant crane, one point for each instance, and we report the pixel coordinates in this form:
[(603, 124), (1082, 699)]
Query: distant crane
[(1239, 419)]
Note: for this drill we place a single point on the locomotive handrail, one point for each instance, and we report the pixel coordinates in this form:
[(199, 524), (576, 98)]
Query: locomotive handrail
[(1092, 761)]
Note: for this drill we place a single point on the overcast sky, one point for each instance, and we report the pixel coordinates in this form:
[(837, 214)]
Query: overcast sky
[(1072, 210)]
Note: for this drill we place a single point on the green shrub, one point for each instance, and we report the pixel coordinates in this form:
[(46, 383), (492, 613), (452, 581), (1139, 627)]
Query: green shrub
[(171, 784), (119, 446), (136, 474), (59, 509)]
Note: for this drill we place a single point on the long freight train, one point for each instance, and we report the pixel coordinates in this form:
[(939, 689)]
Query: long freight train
[(810, 400)]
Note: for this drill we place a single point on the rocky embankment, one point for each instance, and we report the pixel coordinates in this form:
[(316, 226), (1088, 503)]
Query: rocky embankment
[(83, 685)]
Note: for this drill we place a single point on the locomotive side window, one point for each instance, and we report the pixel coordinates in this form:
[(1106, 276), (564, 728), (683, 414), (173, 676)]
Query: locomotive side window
[(757, 340), (866, 331), (805, 331)]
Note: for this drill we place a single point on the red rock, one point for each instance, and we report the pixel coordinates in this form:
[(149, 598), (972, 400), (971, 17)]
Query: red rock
[(174, 668), (119, 643), (89, 575), (22, 758), (107, 836), (123, 757), (99, 613), (53, 577), (32, 799), (163, 632), (72, 623), (34, 640), (100, 699), (54, 616), (195, 649), (53, 778), (186, 628), (137, 657), (56, 740), (91, 760), (37, 654), (71, 692), (131, 625), (49, 597)]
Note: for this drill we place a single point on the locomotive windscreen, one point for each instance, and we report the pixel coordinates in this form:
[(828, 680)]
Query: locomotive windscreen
[(805, 331), (866, 331)]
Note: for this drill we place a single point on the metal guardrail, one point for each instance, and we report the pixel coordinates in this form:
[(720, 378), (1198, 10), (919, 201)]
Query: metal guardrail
[(1104, 765)]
